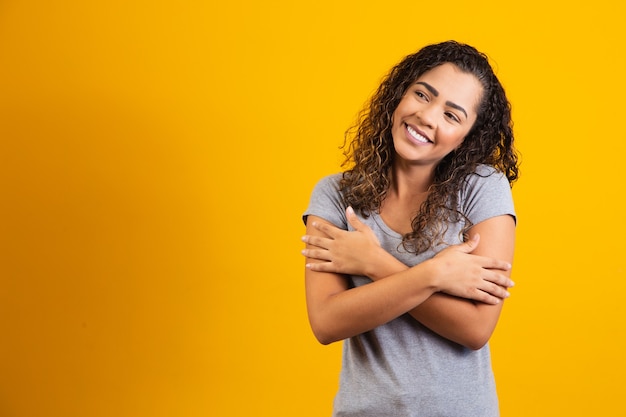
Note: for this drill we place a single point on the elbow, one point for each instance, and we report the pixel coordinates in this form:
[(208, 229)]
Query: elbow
[(323, 333), (476, 341), (324, 340), (324, 336), (476, 344)]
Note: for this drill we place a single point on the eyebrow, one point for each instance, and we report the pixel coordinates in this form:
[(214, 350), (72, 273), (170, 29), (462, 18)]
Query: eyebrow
[(435, 93)]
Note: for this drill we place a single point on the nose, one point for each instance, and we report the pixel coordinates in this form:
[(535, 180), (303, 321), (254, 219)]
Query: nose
[(426, 116)]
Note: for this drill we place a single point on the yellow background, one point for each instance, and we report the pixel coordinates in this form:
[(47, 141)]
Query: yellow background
[(156, 156)]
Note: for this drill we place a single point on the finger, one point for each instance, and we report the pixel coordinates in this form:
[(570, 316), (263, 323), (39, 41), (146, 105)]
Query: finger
[(326, 228), (353, 219), (359, 226), (318, 241), (495, 290), (499, 279), (491, 263), (321, 267), (486, 298), (470, 245), (488, 293), (319, 254)]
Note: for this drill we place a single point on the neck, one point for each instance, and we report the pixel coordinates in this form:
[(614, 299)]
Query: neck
[(408, 191), (412, 181)]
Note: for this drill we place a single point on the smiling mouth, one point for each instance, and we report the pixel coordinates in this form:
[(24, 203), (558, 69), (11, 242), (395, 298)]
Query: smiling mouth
[(416, 136)]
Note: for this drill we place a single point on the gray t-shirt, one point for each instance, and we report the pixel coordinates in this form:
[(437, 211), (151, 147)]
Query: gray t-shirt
[(402, 368)]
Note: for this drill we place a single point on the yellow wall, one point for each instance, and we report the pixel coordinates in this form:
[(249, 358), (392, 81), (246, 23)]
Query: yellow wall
[(155, 158)]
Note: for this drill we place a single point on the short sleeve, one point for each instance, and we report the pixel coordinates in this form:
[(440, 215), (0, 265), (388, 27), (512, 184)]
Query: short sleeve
[(326, 202), (487, 194)]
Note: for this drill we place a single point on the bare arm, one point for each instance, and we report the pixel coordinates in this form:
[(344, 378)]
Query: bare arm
[(462, 320), (337, 311)]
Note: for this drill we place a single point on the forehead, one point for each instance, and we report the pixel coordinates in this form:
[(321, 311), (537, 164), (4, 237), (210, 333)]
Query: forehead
[(452, 84)]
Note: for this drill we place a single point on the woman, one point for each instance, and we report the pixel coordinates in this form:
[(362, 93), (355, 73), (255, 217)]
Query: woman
[(409, 250)]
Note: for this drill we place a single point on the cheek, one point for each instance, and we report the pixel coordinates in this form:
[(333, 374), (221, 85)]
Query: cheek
[(455, 137), (461, 140), (396, 115), (462, 135)]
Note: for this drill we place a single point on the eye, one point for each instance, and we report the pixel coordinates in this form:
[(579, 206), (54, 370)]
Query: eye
[(452, 117), (421, 94)]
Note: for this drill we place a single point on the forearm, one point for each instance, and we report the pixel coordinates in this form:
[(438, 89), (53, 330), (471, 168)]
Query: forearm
[(336, 312), (463, 321), (337, 315)]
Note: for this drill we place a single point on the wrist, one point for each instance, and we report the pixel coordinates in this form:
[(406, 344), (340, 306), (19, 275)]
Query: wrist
[(381, 264), (430, 274)]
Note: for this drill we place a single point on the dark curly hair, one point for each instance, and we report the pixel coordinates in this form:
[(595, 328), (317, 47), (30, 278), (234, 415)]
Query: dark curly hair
[(369, 149)]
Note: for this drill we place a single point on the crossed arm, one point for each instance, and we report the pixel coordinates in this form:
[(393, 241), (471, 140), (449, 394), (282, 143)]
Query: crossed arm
[(458, 293)]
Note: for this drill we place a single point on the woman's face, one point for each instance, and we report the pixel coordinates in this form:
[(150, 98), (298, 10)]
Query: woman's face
[(435, 114)]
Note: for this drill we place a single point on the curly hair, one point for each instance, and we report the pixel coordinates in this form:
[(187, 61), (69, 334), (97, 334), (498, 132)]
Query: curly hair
[(369, 150)]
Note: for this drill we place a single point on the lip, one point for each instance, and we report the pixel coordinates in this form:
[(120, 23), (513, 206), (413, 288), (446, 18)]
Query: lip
[(419, 132)]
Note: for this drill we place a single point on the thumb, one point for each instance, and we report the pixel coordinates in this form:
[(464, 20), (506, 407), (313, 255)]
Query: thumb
[(353, 219), (471, 244)]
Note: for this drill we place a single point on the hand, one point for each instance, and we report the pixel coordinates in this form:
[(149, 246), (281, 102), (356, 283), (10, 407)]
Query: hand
[(344, 252), (474, 277)]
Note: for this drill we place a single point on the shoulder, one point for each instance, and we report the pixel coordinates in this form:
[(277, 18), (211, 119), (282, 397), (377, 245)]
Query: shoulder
[(486, 193), (327, 188), (486, 176), (327, 201), (487, 171)]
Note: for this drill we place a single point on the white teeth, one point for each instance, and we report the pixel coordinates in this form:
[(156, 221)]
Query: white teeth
[(416, 135)]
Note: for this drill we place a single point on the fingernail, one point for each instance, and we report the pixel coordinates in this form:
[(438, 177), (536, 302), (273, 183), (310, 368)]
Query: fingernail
[(303, 251), (303, 238), (307, 266), (511, 284), (350, 210), (508, 294)]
